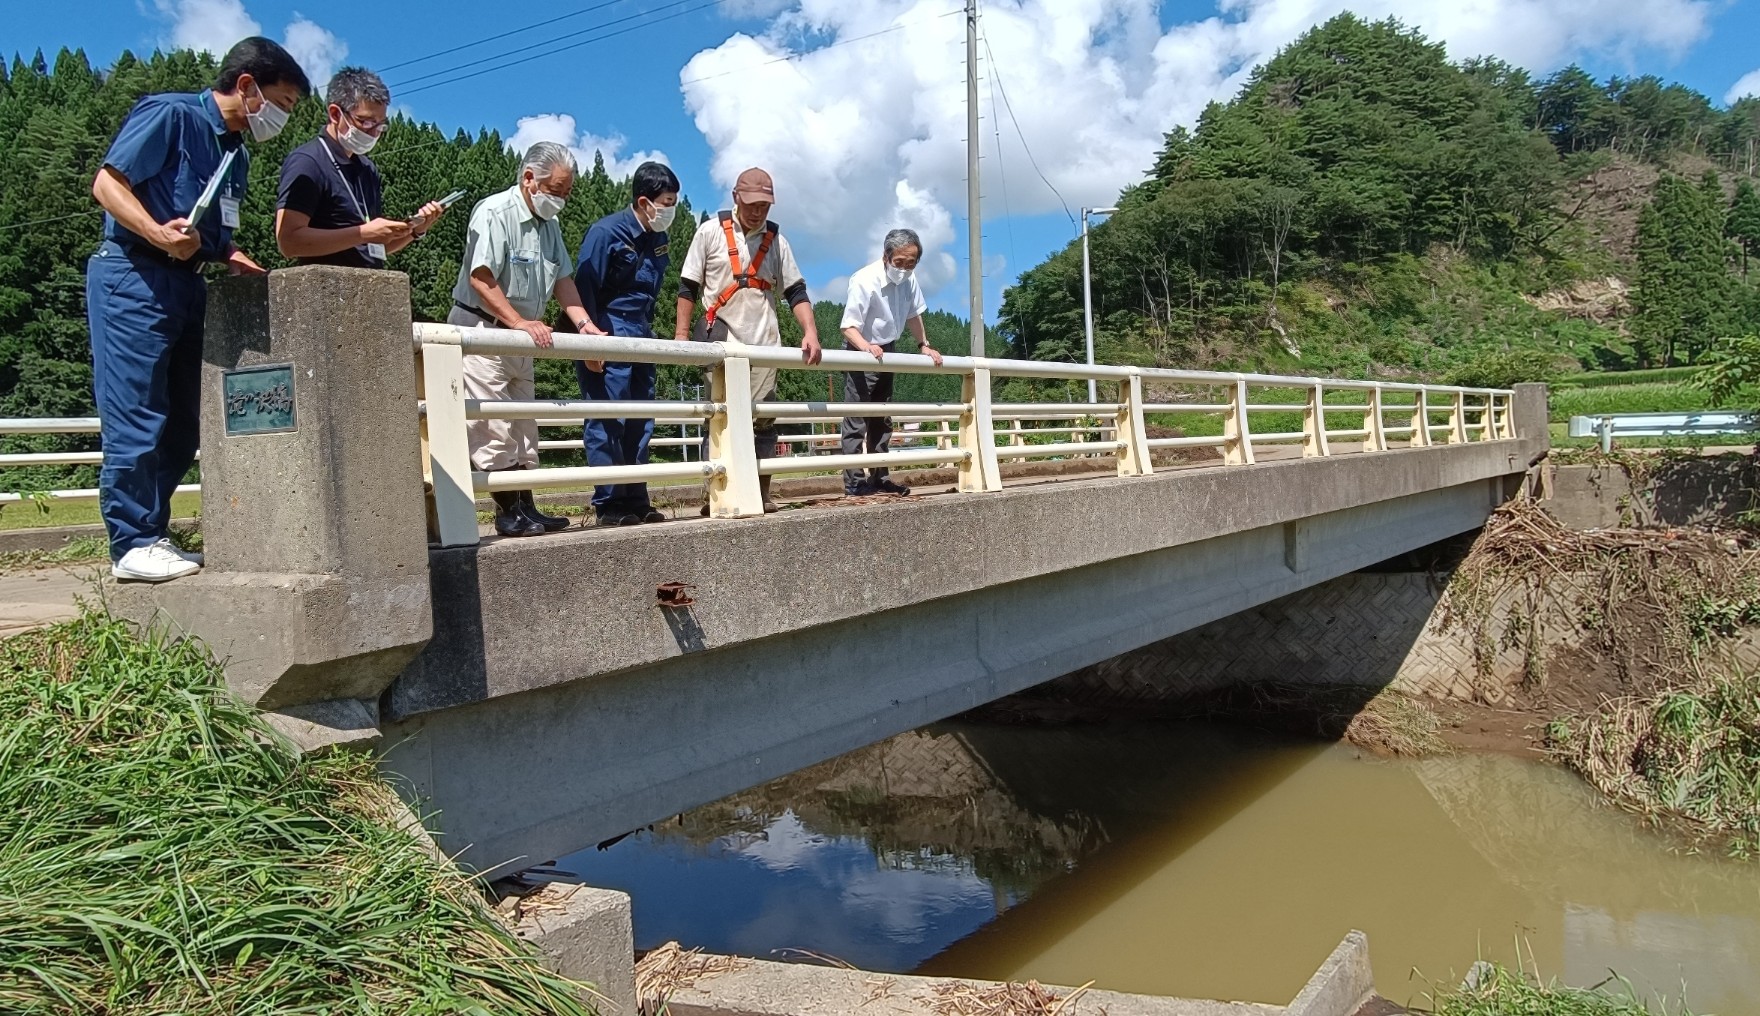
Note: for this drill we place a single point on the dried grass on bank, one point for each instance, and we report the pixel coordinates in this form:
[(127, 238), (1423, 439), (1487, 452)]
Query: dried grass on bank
[(1645, 603), (670, 968), (960, 998), (1688, 758), (161, 852)]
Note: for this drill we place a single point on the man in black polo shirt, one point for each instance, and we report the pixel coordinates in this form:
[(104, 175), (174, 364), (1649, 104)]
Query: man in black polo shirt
[(331, 197)]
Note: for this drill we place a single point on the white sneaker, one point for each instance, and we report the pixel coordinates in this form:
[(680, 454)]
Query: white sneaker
[(188, 555), (156, 562)]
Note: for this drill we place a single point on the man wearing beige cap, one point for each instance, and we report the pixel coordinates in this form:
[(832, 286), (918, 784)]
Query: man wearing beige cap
[(739, 261)]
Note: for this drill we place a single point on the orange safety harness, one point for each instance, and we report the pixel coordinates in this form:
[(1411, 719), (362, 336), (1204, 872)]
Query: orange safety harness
[(747, 279)]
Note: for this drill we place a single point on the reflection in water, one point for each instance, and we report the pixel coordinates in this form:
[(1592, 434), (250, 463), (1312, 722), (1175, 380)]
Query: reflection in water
[(1188, 859)]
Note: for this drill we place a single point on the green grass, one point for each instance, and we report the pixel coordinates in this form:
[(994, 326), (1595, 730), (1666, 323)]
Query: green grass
[(1654, 397), (79, 550), (162, 852), (1688, 758), (1620, 378), (25, 515), (1501, 992)]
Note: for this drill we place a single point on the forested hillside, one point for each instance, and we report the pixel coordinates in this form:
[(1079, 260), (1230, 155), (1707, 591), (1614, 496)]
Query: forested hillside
[(58, 122), (1366, 207)]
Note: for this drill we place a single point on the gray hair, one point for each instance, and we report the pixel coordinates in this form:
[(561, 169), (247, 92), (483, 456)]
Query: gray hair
[(354, 85), (544, 157), (899, 239)]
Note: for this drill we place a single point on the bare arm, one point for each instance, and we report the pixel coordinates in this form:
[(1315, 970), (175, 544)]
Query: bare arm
[(681, 328), (803, 312), (115, 195), (857, 340), (298, 238), (915, 324), (569, 296)]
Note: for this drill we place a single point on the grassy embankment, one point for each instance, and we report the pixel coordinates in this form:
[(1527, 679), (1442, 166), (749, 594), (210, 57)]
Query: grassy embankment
[(1502, 992), (162, 852)]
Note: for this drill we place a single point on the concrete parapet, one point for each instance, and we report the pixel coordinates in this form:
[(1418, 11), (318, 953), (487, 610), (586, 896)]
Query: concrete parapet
[(316, 586), (759, 988), (518, 616), (1341, 985), (587, 934), (1532, 415)]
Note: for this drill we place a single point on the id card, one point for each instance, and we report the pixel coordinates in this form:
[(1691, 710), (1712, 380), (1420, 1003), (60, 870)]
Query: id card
[(376, 251), (229, 213)]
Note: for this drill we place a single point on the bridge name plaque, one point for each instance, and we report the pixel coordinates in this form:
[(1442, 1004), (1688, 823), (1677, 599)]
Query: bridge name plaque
[(258, 400)]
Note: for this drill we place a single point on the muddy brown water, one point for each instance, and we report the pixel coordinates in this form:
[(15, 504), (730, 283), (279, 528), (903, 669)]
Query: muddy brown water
[(1190, 859)]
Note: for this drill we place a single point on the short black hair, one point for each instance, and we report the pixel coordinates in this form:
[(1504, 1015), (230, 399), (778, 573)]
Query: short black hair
[(653, 179), (264, 60)]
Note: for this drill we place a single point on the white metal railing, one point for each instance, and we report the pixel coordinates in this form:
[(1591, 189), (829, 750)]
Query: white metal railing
[(968, 438), (1697, 423), (57, 425)]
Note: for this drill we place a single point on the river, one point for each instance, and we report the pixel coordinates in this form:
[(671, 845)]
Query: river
[(1189, 859)]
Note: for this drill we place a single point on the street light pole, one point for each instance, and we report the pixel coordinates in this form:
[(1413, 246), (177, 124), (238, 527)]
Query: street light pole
[(1087, 294)]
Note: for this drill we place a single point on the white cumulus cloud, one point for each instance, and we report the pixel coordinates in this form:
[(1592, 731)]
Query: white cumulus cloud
[(317, 49), (857, 109), (214, 25), (1748, 84), (561, 128), (209, 25)]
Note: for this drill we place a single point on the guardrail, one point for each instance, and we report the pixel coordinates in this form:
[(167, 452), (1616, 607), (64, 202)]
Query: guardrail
[(731, 470), (1708, 423)]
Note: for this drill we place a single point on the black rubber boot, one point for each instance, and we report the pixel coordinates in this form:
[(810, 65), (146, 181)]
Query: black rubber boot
[(551, 523), (511, 519)]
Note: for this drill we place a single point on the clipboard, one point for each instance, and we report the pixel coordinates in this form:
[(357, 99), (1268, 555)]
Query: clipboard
[(211, 191)]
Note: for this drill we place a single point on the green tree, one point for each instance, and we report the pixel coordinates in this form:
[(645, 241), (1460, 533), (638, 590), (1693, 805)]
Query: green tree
[(1743, 225)]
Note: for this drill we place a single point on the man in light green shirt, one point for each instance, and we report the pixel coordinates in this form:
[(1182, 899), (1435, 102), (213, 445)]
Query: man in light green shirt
[(514, 262)]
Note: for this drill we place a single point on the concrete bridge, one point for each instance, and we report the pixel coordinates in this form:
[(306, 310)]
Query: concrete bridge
[(540, 696)]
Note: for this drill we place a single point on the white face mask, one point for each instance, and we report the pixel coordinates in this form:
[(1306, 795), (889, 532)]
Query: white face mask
[(355, 141), (662, 218), (268, 120), (896, 275), (547, 206)]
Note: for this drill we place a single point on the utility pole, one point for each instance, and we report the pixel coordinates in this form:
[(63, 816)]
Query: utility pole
[(1087, 297), (973, 214)]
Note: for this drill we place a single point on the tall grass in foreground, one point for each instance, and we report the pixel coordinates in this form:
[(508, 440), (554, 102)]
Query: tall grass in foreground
[(1503, 992), (160, 852), (1688, 758)]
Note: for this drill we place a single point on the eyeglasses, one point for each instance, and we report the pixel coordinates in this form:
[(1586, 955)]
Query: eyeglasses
[(364, 123)]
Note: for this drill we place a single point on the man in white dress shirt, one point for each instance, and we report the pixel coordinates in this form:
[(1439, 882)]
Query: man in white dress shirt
[(884, 300)]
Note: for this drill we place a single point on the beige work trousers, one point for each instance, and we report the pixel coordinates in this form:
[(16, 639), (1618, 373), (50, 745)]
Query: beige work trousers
[(498, 444)]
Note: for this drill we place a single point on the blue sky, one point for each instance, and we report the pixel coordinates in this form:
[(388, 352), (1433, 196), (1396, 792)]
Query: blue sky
[(862, 123)]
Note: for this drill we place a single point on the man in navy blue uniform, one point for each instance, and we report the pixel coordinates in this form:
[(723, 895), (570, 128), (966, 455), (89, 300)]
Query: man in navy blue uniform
[(622, 264), (331, 207), (145, 295)]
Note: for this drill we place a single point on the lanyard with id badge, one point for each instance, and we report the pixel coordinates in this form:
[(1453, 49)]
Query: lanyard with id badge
[(375, 251)]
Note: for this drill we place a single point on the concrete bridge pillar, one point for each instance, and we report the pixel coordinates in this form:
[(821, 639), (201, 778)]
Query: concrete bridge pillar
[(315, 593)]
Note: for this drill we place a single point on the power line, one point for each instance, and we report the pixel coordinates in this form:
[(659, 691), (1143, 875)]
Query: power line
[(997, 74), (1001, 173), (841, 42), (563, 49), (45, 222), (503, 35)]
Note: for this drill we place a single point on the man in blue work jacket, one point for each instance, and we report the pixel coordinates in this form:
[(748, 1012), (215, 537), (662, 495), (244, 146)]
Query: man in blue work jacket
[(622, 264), (145, 295)]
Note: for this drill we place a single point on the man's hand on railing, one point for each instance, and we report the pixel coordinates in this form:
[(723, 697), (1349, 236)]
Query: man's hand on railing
[(596, 366), (810, 351), (932, 353), (539, 331), (878, 351)]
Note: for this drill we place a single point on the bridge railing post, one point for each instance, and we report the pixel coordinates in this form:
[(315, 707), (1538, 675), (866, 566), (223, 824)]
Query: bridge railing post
[(1374, 425), (1314, 443), (978, 470), (1421, 420), (1509, 417), (451, 496), (733, 493), (1488, 420), (1236, 431), (1130, 431), (1457, 419)]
